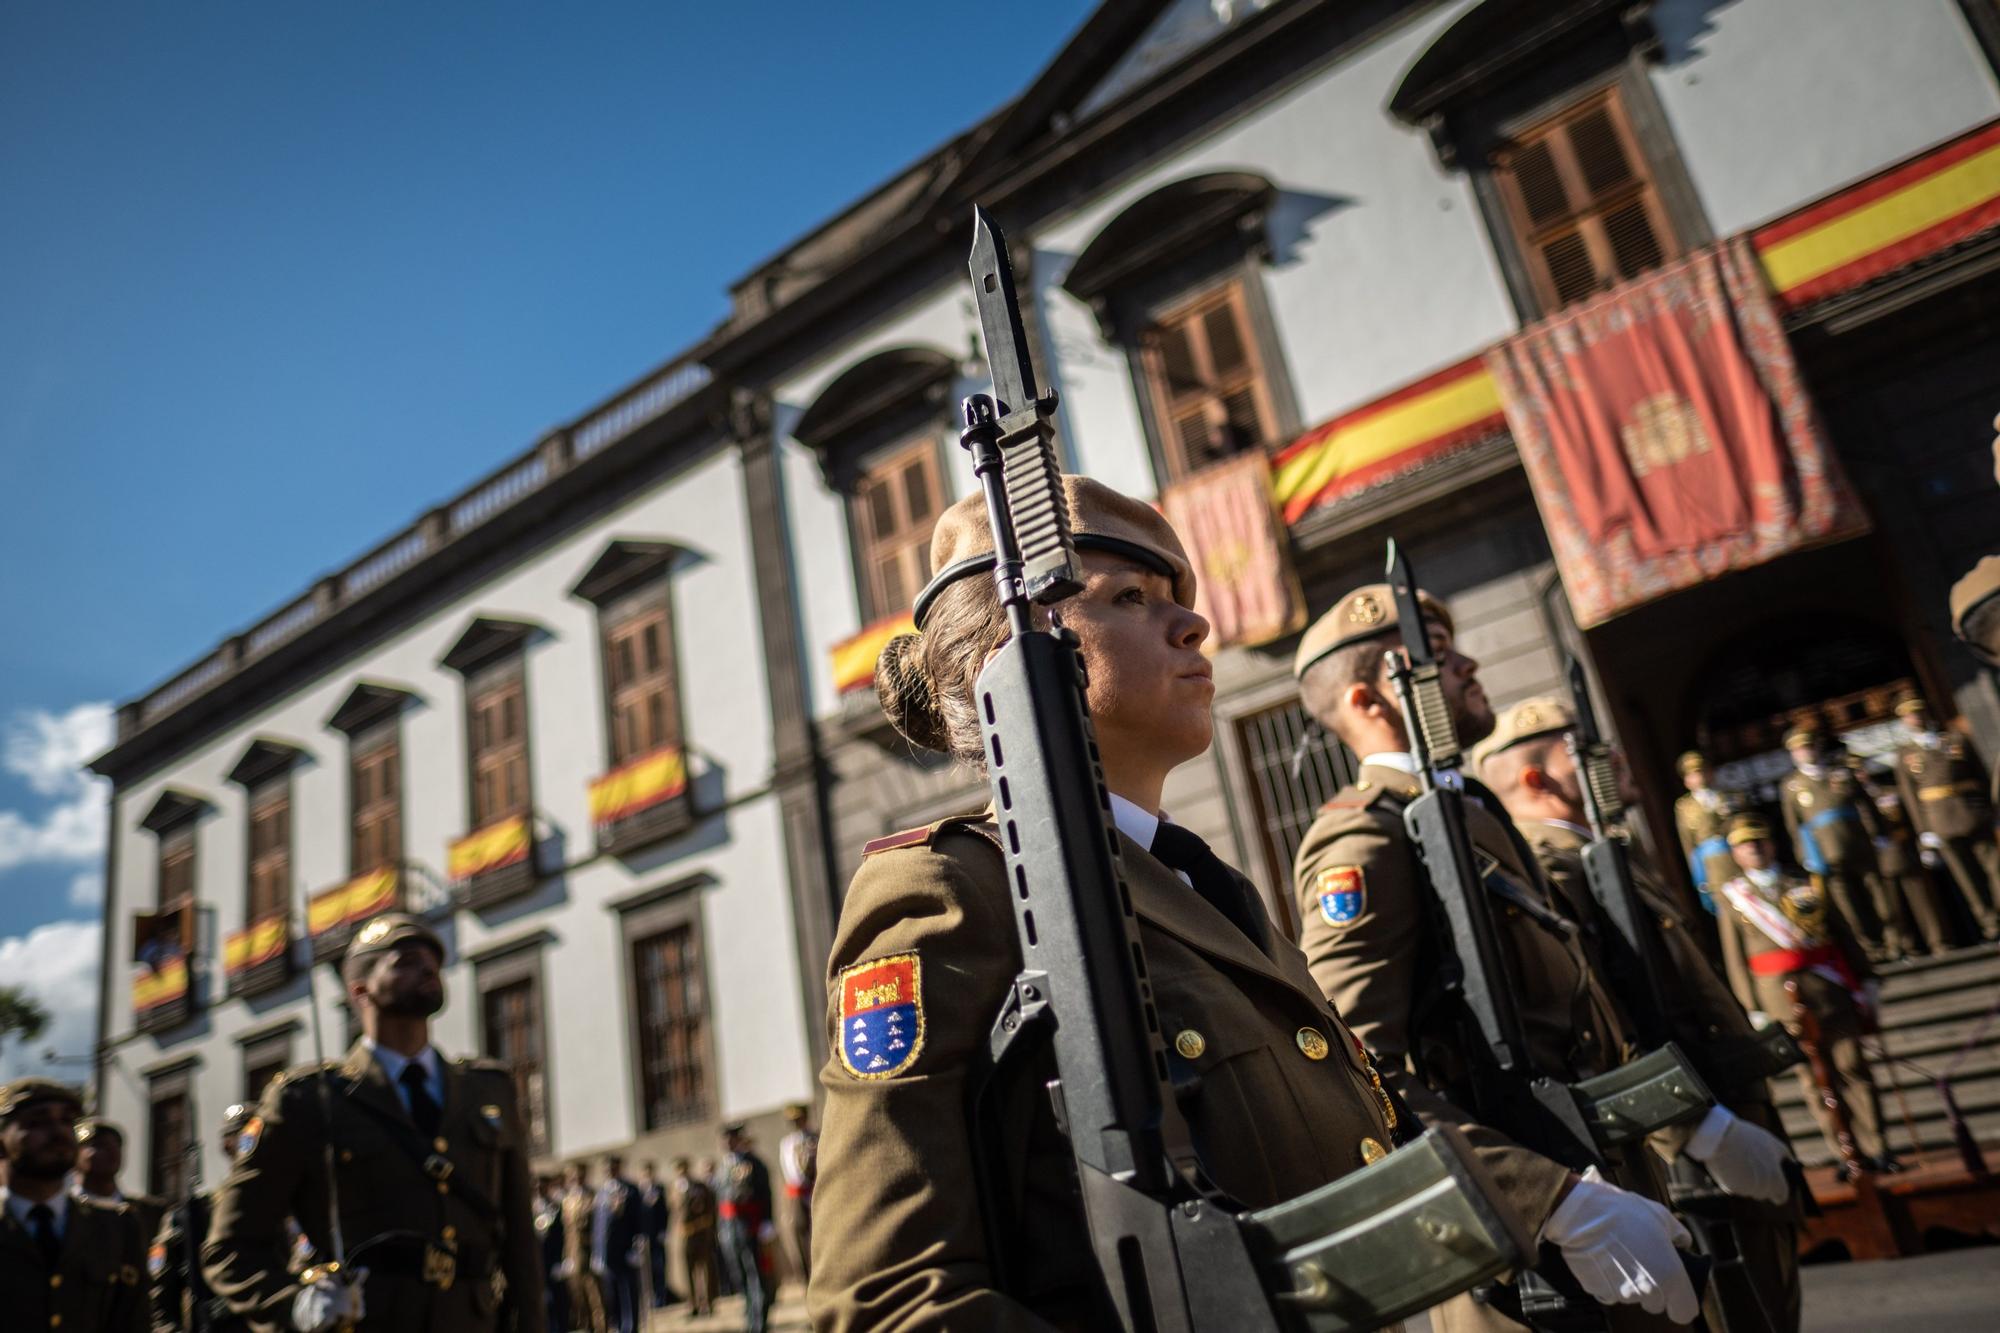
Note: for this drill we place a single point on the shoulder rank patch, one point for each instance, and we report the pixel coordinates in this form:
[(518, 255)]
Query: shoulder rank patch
[(909, 837), (156, 1259), (1343, 894), (881, 1015), (246, 1141)]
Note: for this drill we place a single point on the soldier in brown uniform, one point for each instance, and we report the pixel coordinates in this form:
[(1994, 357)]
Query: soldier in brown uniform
[(1834, 826), (694, 1224), (1777, 928), (586, 1293), (1528, 764), (1975, 619), (1367, 935), (1274, 1088), (1902, 859), (67, 1262), (1943, 788), (100, 1156), (1701, 819), (431, 1171)]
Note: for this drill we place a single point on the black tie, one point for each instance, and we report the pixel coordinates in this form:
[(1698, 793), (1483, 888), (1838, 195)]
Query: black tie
[(423, 1109), (1183, 851), (42, 1225)]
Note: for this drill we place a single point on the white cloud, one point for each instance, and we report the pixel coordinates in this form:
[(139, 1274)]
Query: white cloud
[(87, 890), (48, 751), (57, 965)]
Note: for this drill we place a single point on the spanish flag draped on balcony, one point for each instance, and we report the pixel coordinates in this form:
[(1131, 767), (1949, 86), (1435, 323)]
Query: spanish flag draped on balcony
[(1668, 436)]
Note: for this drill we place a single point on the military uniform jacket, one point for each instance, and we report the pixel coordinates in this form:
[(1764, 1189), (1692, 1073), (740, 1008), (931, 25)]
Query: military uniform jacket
[(1703, 831), (1944, 788), (1275, 1091), (1831, 819), (167, 1267), (1373, 947), (1706, 1010), (99, 1282), (696, 1206), (397, 1215), (1758, 963)]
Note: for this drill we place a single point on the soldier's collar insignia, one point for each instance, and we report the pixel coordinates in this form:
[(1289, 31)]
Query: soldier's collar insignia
[(246, 1142), (1342, 893), (881, 1016)]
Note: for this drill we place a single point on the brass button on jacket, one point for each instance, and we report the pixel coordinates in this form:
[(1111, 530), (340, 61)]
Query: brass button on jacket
[(1190, 1043), (1312, 1043)]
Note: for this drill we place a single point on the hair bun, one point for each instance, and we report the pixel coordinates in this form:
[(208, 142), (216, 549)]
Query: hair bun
[(906, 694)]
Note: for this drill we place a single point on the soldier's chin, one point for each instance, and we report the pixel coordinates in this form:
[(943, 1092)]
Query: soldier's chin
[(422, 1004)]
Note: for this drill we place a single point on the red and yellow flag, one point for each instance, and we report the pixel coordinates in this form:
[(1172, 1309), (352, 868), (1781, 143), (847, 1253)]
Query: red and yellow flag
[(494, 847), (356, 900), (152, 988), (854, 658), (259, 942), (638, 785)]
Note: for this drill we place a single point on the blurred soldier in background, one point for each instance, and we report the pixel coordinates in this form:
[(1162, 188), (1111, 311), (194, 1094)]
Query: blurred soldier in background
[(694, 1210), (181, 1298), (1777, 928), (67, 1262), (1701, 818), (100, 1157), (798, 1160), (743, 1210), (1834, 825), (1943, 788)]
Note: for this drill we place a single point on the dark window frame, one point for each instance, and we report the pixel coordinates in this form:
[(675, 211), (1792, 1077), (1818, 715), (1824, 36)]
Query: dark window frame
[(1238, 291), (169, 1107), (1983, 17), (365, 748), (483, 683), (498, 973), (640, 925), (887, 463), (264, 1055), (261, 797), (617, 617)]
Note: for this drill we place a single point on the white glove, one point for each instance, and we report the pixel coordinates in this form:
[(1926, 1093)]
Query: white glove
[(330, 1302), (1621, 1247), (1930, 858), (1746, 1160), (1758, 1019), (1930, 840)]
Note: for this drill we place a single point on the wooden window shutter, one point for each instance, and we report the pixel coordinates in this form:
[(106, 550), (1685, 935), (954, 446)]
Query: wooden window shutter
[(641, 693), (896, 501), (1208, 384), (1583, 203)]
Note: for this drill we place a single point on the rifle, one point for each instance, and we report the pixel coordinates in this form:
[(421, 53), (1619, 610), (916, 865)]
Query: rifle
[(1635, 960), (1571, 1123), (1388, 1240)]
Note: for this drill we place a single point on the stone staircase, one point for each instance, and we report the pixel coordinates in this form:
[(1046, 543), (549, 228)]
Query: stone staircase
[(1930, 1009)]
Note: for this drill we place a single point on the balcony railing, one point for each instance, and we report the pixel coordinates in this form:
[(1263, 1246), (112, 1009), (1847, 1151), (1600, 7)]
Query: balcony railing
[(642, 801), (494, 863), (259, 956)]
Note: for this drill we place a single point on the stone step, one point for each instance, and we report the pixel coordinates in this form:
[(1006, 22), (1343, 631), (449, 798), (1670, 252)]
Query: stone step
[(1981, 1062), (1974, 958), (1950, 973)]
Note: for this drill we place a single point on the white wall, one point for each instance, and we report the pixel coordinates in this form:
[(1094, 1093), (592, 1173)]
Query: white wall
[(1776, 102), (941, 320), (1382, 270), (756, 1008)]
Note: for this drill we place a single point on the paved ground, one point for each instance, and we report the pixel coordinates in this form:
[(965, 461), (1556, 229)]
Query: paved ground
[(1955, 1292)]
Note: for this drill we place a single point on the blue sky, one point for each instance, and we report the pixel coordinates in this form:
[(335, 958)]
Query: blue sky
[(276, 278)]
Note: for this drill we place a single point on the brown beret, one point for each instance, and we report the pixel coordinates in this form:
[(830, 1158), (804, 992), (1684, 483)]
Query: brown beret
[(1748, 828), (1694, 761), (1100, 519), (22, 1093), (1369, 612), (385, 932), (1799, 737), (1545, 715), (797, 1111), (1979, 586), (1908, 702)]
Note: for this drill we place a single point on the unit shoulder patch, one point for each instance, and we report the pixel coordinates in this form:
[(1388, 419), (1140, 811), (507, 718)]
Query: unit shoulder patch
[(881, 1016), (1343, 894), (246, 1140)]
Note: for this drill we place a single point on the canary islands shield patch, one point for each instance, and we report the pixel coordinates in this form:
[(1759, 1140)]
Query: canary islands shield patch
[(1343, 894), (881, 1016)]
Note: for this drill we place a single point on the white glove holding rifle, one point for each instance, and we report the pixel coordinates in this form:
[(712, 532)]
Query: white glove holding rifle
[(1622, 1248), (330, 1299), (1746, 1160)]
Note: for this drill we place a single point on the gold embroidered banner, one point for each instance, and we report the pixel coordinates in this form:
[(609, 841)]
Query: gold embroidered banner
[(1668, 436), (1244, 582)]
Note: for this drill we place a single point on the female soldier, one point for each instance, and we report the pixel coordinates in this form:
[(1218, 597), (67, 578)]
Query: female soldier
[(1277, 1095)]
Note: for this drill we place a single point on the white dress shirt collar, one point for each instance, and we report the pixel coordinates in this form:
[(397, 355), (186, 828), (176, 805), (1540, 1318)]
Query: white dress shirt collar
[(20, 1205), (394, 1062), (1400, 760)]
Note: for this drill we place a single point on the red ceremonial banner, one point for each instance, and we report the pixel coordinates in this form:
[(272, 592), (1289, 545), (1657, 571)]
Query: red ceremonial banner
[(1244, 582), (1668, 436)]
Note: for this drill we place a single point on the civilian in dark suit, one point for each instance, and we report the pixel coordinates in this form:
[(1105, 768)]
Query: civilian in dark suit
[(549, 1228), (655, 1210), (617, 1225)]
